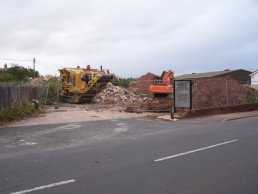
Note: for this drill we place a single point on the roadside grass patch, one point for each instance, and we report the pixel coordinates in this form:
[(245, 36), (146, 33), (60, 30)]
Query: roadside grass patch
[(17, 113)]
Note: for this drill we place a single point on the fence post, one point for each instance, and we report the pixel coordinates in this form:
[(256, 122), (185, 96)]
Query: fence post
[(138, 99), (97, 97), (196, 94), (172, 110), (57, 94), (46, 95)]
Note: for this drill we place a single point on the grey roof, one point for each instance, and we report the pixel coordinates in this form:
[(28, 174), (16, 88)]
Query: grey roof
[(203, 75), (254, 73)]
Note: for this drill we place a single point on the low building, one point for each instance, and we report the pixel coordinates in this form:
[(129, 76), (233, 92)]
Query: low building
[(239, 75), (254, 78), (219, 88)]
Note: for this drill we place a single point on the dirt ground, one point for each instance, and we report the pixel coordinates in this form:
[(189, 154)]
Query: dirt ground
[(74, 113)]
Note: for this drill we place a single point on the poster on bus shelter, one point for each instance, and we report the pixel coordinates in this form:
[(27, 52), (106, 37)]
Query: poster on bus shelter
[(183, 94)]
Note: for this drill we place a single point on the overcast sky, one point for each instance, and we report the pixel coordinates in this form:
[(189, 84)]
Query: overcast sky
[(131, 37)]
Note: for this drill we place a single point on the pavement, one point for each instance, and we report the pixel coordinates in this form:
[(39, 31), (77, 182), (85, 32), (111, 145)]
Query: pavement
[(211, 118), (80, 113)]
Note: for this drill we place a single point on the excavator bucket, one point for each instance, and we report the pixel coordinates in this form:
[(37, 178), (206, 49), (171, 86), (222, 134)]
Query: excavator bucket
[(161, 89), (164, 86)]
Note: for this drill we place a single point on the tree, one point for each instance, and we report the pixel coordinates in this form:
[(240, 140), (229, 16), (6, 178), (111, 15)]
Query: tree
[(122, 82), (16, 73)]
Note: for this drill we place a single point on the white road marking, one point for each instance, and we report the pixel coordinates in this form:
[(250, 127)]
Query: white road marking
[(61, 128), (120, 130), (28, 143), (193, 151), (83, 150), (45, 186), (23, 143), (121, 124)]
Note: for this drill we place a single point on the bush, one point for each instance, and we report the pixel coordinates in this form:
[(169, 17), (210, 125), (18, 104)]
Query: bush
[(7, 77), (52, 86), (16, 73), (123, 82), (252, 96), (16, 113), (52, 90)]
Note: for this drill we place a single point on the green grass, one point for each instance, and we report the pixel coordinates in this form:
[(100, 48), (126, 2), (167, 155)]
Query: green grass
[(17, 113)]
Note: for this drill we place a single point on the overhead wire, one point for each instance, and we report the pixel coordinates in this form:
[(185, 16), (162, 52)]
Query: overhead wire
[(15, 59)]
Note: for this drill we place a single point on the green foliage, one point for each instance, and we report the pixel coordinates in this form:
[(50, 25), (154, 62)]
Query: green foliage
[(16, 113), (50, 91), (16, 73), (252, 96), (30, 73), (7, 77), (123, 82)]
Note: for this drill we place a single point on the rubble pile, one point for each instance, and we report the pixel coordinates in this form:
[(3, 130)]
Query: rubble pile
[(151, 104), (148, 103), (115, 98), (148, 76), (37, 81)]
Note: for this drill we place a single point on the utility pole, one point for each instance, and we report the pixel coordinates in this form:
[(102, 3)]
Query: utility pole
[(34, 61)]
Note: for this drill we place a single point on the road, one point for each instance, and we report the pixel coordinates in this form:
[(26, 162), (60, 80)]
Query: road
[(131, 156)]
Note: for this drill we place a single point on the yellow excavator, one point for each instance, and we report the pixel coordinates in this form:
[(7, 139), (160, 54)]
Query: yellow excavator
[(82, 84)]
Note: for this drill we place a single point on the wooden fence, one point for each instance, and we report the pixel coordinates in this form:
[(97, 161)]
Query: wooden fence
[(16, 95)]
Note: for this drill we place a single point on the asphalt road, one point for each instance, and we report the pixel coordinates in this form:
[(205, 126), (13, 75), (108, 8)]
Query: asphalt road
[(131, 156)]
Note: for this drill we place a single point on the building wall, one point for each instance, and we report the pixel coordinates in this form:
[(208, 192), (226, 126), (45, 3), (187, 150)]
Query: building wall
[(241, 76), (254, 79), (218, 92)]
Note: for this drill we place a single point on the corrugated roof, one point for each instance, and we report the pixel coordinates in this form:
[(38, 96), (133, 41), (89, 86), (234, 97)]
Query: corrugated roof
[(203, 75)]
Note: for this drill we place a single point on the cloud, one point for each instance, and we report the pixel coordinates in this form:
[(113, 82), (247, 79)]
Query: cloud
[(132, 37)]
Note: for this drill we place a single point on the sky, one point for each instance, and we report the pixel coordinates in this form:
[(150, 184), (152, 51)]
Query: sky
[(130, 37)]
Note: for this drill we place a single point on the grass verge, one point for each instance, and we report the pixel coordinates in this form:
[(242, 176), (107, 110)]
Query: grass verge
[(17, 113)]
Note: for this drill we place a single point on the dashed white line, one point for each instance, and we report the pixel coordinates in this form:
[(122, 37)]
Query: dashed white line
[(193, 151), (45, 186)]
